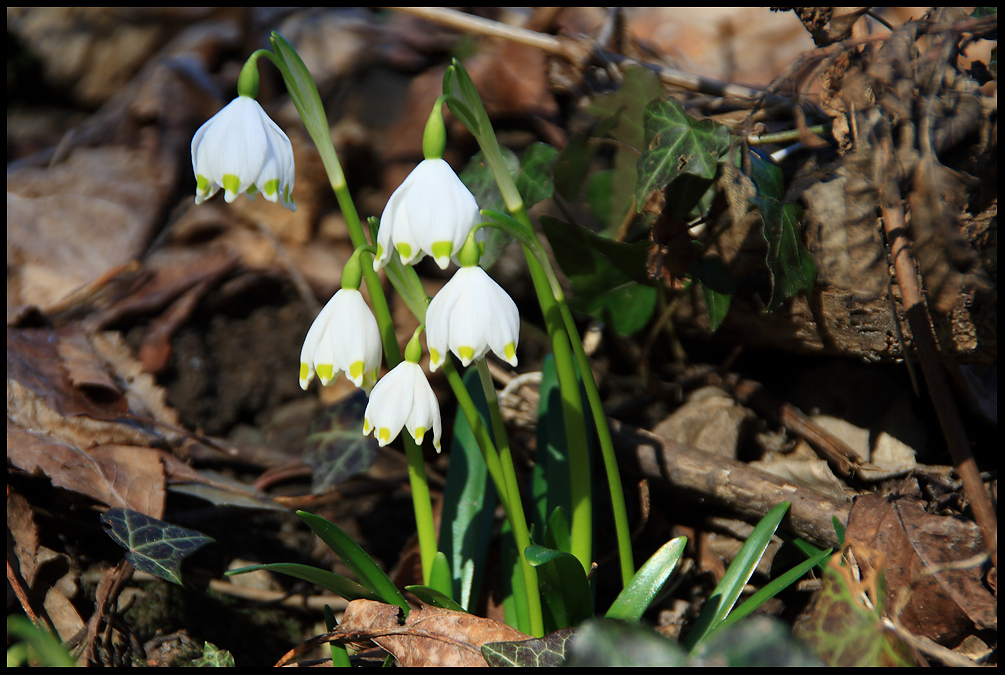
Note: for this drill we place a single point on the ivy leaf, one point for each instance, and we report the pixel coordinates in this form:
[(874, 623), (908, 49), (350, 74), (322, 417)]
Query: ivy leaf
[(152, 546), (335, 449), (623, 111), (546, 652), (790, 264), (717, 287), (609, 278), (676, 144), (534, 180)]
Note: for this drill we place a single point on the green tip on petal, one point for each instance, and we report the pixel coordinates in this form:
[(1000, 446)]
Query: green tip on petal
[(442, 249), (434, 356), (418, 434), (231, 183), (325, 372), (466, 353), (510, 351), (384, 435), (404, 250), (201, 183), (305, 371), (367, 427), (356, 370), (271, 187)]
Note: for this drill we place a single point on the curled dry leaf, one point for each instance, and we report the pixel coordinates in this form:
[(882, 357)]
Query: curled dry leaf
[(939, 600), (429, 636)]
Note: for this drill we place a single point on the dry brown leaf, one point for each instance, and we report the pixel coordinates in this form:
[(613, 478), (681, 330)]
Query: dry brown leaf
[(68, 224), (429, 636), (941, 604), (126, 476), (144, 395), (22, 527)]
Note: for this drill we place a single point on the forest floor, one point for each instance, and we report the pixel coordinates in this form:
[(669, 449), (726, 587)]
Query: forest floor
[(153, 345)]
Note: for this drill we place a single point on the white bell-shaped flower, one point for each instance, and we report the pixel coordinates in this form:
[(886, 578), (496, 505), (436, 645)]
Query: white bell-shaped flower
[(344, 338), (241, 150), (403, 398), (469, 316), (431, 213)]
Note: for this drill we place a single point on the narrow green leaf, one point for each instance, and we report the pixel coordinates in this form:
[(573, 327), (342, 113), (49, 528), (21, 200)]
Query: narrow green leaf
[(46, 645), (469, 502), (565, 574), (514, 587), (431, 596), (439, 576), (809, 550), (356, 558), (607, 276), (546, 652), (790, 264), (550, 488), (838, 530), (334, 448), (676, 144), (340, 656), (721, 602), (635, 598), (336, 583), (774, 587), (152, 546), (558, 536)]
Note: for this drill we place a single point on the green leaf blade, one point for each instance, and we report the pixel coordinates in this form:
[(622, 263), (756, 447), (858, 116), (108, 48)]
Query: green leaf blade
[(356, 558), (722, 599), (330, 581), (636, 597)]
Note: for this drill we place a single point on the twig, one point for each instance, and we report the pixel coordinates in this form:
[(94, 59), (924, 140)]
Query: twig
[(895, 226), (575, 52), (747, 491)]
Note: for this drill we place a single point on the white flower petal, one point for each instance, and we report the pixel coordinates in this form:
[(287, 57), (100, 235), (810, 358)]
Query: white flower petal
[(402, 398), (470, 315), (344, 338), (243, 151), (431, 213)]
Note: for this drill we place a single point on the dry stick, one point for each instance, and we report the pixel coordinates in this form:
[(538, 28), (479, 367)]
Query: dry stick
[(747, 491), (575, 52), (894, 225)]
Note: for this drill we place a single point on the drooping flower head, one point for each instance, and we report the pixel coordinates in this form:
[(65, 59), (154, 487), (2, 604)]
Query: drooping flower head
[(431, 212), (343, 338), (403, 398), (471, 315), (243, 151)]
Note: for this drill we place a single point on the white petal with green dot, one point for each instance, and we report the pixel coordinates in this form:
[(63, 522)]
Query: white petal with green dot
[(471, 315), (403, 399), (344, 338)]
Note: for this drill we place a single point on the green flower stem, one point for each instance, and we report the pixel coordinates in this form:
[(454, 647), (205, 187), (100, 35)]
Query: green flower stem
[(572, 413), (506, 487), (512, 486), (466, 104), (607, 450), (304, 93)]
